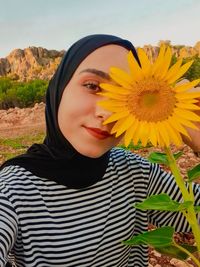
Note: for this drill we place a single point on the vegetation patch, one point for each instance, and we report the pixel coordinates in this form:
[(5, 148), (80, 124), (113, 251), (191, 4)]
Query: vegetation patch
[(12, 147)]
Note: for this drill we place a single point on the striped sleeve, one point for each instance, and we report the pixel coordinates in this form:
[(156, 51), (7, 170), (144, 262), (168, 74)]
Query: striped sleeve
[(163, 182), (8, 228)]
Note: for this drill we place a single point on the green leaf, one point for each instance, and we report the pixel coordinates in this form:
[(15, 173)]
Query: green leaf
[(162, 202), (175, 252), (133, 147), (157, 238), (197, 208), (194, 173), (178, 154), (158, 157), (161, 158)]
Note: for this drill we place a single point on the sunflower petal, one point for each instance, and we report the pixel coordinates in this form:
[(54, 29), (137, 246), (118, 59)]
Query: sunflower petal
[(144, 133), (186, 122), (116, 116), (114, 89), (111, 107), (153, 134), (174, 135), (109, 104), (187, 106), (167, 59), (116, 126), (174, 123), (191, 101), (189, 95), (186, 114), (163, 132), (125, 125), (184, 87), (130, 133), (173, 70), (180, 73), (135, 69), (145, 63), (113, 96), (161, 143), (159, 60), (136, 136), (122, 74), (120, 81)]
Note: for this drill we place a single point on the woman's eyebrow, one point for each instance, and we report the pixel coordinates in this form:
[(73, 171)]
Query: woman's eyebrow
[(100, 73)]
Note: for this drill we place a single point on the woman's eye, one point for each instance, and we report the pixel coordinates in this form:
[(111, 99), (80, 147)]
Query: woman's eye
[(93, 86)]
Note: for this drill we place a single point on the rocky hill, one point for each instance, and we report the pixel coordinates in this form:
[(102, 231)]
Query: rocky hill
[(179, 51), (39, 63), (30, 63)]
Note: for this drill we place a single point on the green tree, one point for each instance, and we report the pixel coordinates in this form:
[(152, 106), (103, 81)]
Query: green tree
[(32, 92), (5, 86), (21, 94), (194, 71)]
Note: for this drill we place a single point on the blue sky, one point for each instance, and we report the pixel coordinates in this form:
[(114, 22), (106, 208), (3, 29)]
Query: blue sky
[(56, 24)]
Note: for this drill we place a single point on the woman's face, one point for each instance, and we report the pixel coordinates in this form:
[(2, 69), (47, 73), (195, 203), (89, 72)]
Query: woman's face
[(80, 118)]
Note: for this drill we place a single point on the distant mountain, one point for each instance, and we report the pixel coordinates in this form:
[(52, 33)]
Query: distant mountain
[(30, 63), (39, 63)]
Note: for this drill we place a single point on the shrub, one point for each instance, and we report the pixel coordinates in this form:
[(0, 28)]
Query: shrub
[(21, 94)]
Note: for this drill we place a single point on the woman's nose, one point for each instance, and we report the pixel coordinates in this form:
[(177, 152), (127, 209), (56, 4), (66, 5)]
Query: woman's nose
[(102, 113)]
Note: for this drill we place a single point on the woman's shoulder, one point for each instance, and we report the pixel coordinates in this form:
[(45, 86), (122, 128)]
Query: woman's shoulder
[(9, 171), (11, 174), (125, 154), (125, 165), (14, 176), (121, 156)]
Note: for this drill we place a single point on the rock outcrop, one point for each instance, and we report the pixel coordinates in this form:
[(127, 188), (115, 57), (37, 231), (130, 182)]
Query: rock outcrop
[(30, 63), (177, 50), (22, 116)]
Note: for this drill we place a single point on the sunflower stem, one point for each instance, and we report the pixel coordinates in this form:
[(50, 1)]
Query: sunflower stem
[(177, 175), (187, 196)]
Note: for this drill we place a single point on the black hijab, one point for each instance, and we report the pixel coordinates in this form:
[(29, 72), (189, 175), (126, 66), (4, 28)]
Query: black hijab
[(56, 159)]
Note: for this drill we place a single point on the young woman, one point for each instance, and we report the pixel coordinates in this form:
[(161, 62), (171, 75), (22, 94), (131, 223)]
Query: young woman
[(68, 201)]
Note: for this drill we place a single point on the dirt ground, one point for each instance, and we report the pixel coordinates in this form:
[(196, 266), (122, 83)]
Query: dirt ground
[(20, 122), (16, 122)]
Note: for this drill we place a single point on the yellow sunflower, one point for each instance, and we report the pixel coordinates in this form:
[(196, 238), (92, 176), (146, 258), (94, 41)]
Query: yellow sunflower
[(148, 103)]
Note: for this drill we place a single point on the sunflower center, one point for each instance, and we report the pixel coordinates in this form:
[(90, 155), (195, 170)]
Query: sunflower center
[(151, 100)]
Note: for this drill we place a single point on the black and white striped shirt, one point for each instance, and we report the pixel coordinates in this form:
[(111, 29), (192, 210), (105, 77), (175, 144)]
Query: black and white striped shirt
[(44, 224)]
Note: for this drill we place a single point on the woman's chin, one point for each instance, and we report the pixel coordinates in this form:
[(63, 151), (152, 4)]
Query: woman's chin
[(92, 153)]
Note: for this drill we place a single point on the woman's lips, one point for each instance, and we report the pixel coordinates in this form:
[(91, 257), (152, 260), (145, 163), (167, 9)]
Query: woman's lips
[(98, 133)]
